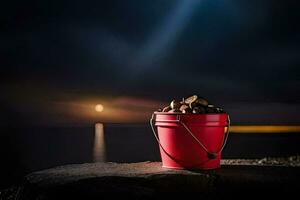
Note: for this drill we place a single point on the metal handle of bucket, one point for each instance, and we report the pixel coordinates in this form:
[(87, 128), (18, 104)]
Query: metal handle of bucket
[(211, 155), (156, 136)]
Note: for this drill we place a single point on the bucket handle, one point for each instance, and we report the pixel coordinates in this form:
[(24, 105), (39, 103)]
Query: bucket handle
[(211, 155)]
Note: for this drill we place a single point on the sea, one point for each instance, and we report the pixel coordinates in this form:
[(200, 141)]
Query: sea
[(27, 149)]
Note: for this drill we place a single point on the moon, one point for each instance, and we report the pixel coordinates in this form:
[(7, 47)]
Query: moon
[(99, 108)]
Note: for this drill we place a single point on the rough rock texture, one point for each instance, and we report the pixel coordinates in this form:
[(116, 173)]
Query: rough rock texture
[(149, 179), (292, 161)]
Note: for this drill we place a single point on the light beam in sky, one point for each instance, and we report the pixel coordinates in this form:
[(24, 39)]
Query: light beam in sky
[(157, 45)]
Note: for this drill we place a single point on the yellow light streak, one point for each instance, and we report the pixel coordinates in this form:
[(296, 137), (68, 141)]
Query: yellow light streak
[(264, 129)]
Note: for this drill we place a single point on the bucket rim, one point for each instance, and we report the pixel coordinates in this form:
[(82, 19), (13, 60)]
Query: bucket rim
[(179, 113)]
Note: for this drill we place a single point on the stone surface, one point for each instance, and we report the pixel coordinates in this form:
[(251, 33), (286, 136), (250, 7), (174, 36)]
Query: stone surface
[(292, 161), (149, 179)]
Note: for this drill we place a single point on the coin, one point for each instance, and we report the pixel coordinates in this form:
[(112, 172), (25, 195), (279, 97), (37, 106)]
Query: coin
[(201, 101), (183, 107), (199, 110), (198, 102), (174, 111), (182, 101), (166, 109), (192, 104), (175, 104), (191, 99), (187, 110)]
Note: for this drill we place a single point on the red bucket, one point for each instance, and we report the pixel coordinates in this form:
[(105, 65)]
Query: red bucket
[(190, 141)]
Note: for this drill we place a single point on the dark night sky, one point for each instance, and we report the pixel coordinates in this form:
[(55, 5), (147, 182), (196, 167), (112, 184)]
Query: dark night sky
[(58, 56)]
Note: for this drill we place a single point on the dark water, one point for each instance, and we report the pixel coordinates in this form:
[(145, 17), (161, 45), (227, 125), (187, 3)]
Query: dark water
[(24, 150)]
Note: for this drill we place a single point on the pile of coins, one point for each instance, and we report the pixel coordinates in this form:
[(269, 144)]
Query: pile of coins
[(192, 104)]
